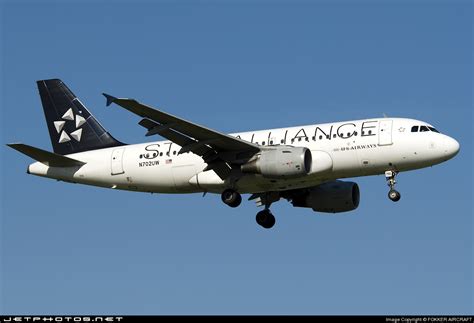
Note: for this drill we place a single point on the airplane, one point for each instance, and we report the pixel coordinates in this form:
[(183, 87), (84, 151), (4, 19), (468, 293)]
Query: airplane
[(303, 164)]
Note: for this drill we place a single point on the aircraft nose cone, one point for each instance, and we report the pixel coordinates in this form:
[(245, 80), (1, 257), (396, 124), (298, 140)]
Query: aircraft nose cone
[(451, 147)]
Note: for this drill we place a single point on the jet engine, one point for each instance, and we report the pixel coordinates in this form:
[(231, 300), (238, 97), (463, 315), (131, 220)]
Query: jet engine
[(280, 162), (330, 197)]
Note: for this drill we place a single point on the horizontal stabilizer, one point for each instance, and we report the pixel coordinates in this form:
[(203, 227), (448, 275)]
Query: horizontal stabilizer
[(46, 157)]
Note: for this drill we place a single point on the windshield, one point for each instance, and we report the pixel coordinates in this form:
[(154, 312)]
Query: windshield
[(422, 128)]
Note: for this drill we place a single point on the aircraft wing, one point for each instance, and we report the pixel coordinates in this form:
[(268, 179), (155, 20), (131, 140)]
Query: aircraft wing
[(216, 148)]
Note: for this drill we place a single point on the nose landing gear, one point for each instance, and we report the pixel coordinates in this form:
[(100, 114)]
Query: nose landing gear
[(393, 194)]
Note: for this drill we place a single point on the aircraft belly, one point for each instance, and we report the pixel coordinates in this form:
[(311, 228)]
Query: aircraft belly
[(181, 177), (157, 178), (257, 183)]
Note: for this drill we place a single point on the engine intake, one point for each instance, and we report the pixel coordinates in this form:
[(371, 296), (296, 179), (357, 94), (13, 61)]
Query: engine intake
[(280, 162), (330, 197)]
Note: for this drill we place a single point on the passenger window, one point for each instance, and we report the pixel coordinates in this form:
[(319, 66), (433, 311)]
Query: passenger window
[(263, 143), (320, 137), (161, 154), (424, 129), (370, 132), (174, 152), (334, 135), (414, 129), (314, 138)]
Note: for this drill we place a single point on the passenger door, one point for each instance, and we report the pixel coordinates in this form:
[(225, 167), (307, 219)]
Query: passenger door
[(117, 161), (385, 132)]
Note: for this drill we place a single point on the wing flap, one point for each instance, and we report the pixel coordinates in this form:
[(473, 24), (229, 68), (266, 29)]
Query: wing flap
[(176, 137)]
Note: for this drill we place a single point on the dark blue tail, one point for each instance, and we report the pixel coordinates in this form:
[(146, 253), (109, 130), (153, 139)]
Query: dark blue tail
[(71, 126)]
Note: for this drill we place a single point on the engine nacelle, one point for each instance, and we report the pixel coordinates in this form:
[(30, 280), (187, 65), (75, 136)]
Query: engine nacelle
[(280, 162), (331, 197)]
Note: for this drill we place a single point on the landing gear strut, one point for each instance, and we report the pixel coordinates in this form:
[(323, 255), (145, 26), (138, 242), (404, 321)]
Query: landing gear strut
[(393, 194), (231, 198)]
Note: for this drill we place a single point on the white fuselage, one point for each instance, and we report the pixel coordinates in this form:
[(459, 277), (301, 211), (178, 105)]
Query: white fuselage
[(340, 150)]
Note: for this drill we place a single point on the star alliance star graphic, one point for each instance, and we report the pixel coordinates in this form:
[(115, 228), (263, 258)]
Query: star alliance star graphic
[(76, 134)]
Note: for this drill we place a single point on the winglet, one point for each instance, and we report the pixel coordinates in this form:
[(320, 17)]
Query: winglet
[(110, 99)]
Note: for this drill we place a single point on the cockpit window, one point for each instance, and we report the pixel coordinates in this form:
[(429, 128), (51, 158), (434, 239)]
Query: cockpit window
[(423, 129)]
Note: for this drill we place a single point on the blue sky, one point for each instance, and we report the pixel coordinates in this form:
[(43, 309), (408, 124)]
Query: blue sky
[(233, 66)]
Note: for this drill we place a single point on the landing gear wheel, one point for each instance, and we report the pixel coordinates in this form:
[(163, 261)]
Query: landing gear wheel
[(265, 218), (231, 198), (394, 195)]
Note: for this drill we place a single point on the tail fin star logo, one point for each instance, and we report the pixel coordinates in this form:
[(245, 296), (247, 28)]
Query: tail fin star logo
[(76, 134)]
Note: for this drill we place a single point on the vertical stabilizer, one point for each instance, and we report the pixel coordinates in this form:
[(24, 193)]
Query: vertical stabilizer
[(71, 126)]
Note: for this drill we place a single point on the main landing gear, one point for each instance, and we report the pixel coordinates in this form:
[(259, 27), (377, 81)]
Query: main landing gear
[(393, 194), (264, 218), (231, 198)]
